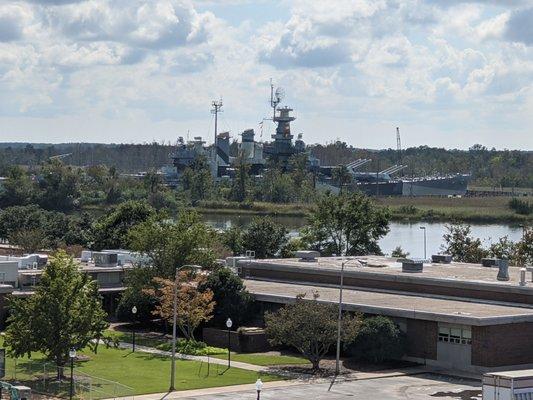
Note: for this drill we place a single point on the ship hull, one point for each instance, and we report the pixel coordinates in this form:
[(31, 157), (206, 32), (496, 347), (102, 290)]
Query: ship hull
[(440, 186)]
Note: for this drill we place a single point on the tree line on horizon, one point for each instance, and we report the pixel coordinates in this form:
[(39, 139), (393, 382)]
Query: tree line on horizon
[(488, 167)]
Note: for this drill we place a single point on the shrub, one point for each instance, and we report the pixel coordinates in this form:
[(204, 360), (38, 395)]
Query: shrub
[(408, 209), (379, 339), (522, 207)]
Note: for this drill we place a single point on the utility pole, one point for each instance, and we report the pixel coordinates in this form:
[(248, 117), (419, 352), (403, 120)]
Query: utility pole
[(217, 108)]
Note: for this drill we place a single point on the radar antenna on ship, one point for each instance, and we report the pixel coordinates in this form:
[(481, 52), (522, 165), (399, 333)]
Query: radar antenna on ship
[(275, 97)]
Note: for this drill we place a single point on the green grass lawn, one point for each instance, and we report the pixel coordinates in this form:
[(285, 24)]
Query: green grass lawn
[(264, 359), (143, 372), (253, 358)]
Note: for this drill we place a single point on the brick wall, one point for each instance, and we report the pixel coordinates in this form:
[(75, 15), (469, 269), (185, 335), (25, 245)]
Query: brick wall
[(247, 342), (421, 339), (501, 345)]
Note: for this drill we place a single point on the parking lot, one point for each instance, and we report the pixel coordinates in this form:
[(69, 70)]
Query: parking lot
[(425, 386)]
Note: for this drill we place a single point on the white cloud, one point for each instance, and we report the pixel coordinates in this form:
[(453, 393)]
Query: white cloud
[(366, 64)]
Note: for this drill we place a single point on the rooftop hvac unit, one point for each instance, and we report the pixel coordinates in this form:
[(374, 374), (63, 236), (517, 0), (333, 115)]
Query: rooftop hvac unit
[(409, 265), (441, 258), (308, 255), (105, 259)]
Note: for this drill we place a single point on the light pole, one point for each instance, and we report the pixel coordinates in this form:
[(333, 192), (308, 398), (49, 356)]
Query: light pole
[(229, 324), (258, 387), (72, 355), (133, 312), (174, 323), (425, 242), (339, 319)]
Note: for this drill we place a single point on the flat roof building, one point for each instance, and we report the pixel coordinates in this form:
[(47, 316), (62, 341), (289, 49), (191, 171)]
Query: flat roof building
[(456, 315)]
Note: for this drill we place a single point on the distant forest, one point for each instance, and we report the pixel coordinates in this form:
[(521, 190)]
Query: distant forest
[(488, 167)]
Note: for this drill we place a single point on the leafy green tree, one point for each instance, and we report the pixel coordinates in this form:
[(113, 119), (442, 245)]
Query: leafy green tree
[(341, 176), (230, 296), (310, 327), (64, 313), (29, 240), (459, 243), (265, 237), (111, 230), (168, 245), (197, 181), (17, 189), (503, 248), (347, 224), (50, 228), (379, 339), (398, 252), (232, 238), (58, 185), (172, 244), (523, 254), (241, 183)]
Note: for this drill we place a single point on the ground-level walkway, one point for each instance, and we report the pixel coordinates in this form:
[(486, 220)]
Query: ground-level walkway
[(205, 359)]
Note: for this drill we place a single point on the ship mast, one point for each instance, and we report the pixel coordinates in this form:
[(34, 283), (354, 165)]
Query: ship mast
[(217, 108)]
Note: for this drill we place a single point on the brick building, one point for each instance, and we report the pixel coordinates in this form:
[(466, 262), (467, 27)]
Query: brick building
[(456, 316)]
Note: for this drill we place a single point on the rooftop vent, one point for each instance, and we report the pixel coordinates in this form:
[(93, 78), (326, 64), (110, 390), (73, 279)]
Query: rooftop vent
[(409, 265), (503, 271), (105, 259), (493, 262), (307, 255), (441, 258)]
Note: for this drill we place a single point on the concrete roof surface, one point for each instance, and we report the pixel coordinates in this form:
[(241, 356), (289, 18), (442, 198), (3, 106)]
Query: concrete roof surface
[(397, 304), (455, 271)]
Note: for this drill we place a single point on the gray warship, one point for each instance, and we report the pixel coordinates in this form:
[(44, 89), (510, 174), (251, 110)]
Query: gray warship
[(283, 147)]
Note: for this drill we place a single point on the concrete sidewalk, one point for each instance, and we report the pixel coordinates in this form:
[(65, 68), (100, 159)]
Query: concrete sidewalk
[(205, 359), (279, 384)]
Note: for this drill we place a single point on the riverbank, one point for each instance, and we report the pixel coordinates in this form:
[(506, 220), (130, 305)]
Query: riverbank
[(408, 209)]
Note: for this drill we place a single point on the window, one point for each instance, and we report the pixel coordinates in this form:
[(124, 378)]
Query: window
[(455, 334)]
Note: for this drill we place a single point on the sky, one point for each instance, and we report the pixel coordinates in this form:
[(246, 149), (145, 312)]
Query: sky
[(448, 73)]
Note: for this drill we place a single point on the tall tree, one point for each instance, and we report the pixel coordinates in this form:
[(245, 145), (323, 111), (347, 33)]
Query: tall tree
[(347, 224), (111, 230), (167, 245), (17, 189), (459, 243), (194, 306), (64, 313), (265, 237), (59, 186), (341, 176), (310, 327), (230, 295)]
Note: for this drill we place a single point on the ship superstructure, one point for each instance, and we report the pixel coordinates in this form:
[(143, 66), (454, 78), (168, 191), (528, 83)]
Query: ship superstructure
[(279, 151)]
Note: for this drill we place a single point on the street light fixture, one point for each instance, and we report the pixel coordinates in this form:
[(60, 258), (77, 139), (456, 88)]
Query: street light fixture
[(174, 323), (229, 324), (72, 355), (425, 242), (258, 387), (133, 312), (339, 319)]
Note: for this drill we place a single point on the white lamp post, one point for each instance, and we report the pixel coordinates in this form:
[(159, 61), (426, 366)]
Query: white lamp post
[(133, 312), (229, 324), (258, 387), (425, 243), (72, 355), (339, 319)]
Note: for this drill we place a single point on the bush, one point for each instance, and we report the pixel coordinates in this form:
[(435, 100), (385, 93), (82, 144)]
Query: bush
[(408, 209), (522, 207), (379, 339), (192, 347)]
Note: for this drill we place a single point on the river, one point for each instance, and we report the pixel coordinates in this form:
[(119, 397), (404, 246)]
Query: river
[(407, 235)]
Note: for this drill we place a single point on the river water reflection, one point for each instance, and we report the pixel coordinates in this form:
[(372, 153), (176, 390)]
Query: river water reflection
[(407, 235)]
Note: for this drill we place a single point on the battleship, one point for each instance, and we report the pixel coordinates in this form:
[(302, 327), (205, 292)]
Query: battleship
[(261, 156)]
